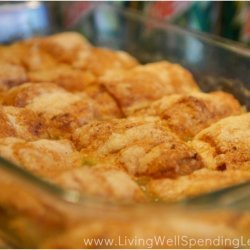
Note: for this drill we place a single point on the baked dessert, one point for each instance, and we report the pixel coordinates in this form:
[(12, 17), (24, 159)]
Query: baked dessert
[(188, 114), (135, 88), (102, 181), (197, 183), (97, 121), (64, 76), (21, 123), (66, 59), (143, 146), (67, 110), (225, 144), (43, 157), (11, 75)]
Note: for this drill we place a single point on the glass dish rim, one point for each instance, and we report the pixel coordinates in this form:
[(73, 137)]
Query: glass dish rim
[(215, 40)]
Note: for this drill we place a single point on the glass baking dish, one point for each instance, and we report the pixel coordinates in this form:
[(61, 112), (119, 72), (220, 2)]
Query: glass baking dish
[(37, 214)]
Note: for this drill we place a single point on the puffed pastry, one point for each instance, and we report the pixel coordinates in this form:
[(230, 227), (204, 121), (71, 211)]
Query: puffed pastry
[(97, 121), (135, 88), (63, 111), (225, 145), (143, 146), (11, 75), (101, 181), (21, 123), (187, 114), (46, 158), (199, 182)]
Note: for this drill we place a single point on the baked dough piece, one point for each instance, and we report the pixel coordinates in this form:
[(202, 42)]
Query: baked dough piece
[(35, 59), (11, 75), (65, 76), (49, 59), (101, 61), (27, 54), (101, 181), (199, 182), (23, 95), (62, 110), (66, 59), (27, 93), (9, 54), (66, 110), (188, 114), (143, 146), (106, 104), (46, 158), (60, 50), (136, 88), (21, 123), (64, 47), (225, 144), (41, 53), (84, 61)]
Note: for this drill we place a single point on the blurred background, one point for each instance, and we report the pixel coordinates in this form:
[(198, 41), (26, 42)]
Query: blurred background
[(23, 19)]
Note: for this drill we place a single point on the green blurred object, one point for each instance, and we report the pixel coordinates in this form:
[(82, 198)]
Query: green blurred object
[(230, 26), (229, 19), (201, 16)]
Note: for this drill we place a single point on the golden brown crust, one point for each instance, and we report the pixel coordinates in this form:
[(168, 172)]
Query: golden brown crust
[(33, 58), (11, 75), (64, 76), (66, 59), (21, 123), (100, 61), (62, 110), (188, 114), (7, 53), (101, 181), (226, 144), (107, 106), (62, 87), (65, 46), (142, 146), (24, 94), (43, 157), (199, 182), (42, 53), (136, 88), (28, 54)]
